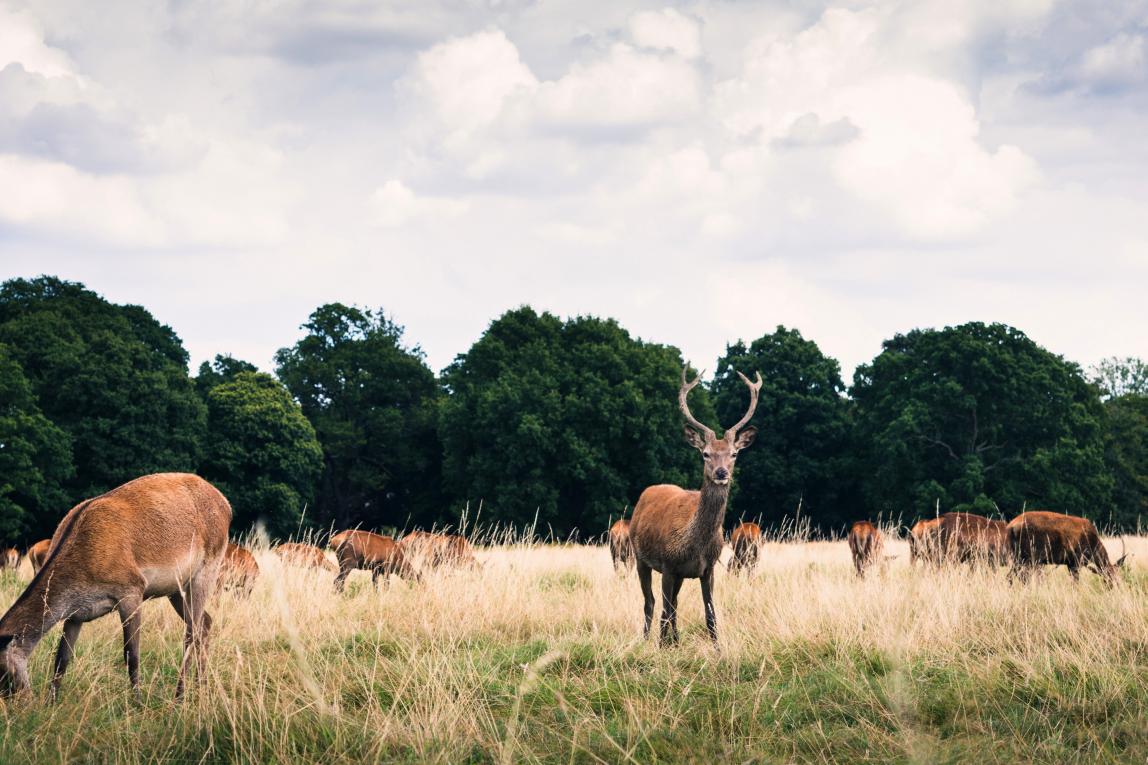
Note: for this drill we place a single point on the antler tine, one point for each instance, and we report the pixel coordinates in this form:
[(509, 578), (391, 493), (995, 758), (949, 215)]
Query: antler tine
[(754, 388), (685, 407)]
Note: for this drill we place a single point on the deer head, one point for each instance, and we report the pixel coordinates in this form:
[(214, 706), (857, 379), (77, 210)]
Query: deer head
[(719, 454)]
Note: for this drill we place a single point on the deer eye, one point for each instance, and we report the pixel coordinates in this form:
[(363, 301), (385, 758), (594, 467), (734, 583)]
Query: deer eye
[(706, 455)]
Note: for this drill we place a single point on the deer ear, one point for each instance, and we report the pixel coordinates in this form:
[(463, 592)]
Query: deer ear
[(694, 438), (745, 437)]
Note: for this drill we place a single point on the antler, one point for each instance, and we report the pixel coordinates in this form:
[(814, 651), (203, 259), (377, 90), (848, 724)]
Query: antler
[(1123, 550), (685, 391), (754, 387)]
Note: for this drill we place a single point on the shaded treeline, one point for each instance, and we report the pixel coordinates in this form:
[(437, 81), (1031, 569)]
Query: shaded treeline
[(559, 421)]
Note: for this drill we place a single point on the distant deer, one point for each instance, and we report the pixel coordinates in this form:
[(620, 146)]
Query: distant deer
[(430, 550), (679, 532), (621, 548), (970, 538), (746, 543), (380, 555), (9, 558), (1039, 537), (240, 570), (306, 556), (161, 535), (38, 553), (866, 545), (923, 541)]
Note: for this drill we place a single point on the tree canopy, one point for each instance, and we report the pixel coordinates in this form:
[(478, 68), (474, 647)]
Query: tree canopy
[(569, 420), (978, 417), (373, 403)]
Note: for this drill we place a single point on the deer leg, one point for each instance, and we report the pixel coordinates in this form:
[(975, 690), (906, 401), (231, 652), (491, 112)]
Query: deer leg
[(129, 610), (190, 607), (345, 569), (708, 602), (64, 653), (670, 586), (645, 579)]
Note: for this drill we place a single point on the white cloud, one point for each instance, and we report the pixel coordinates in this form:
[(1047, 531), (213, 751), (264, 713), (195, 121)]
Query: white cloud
[(667, 29), (22, 42), (394, 205), (1119, 62)]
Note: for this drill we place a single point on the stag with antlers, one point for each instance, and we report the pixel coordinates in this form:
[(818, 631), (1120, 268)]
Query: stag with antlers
[(678, 532)]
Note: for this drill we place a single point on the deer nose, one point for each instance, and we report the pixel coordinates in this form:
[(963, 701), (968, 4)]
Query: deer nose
[(721, 474)]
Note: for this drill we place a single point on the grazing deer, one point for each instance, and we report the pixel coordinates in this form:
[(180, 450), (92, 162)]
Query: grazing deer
[(923, 541), (307, 556), (1039, 537), (866, 545), (161, 535), (429, 550), (9, 558), (746, 543), (240, 570), (969, 538), (621, 549), (679, 532), (38, 553), (380, 555)]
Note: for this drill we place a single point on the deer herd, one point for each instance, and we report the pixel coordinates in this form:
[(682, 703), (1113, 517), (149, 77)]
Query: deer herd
[(166, 535)]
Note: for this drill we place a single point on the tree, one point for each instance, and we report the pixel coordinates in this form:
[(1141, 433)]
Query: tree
[(567, 420), (224, 368), (35, 459), (373, 403), (801, 454), (1121, 376), (112, 377), (261, 452), (1126, 452), (978, 417)]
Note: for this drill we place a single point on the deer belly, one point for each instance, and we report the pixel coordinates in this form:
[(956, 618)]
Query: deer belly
[(165, 580)]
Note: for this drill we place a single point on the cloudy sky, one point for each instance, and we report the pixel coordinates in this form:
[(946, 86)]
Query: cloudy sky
[(700, 171)]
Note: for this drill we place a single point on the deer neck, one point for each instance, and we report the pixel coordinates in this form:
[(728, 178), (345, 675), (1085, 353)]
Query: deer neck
[(710, 515), (36, 611)]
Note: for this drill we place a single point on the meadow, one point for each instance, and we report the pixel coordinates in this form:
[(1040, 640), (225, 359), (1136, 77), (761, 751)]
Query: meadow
[(538, 657)]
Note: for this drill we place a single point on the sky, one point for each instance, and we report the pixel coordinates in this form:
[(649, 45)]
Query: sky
[(702, 171)]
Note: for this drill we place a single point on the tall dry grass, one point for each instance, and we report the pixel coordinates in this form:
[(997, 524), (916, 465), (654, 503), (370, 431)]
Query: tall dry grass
[(538, 656)]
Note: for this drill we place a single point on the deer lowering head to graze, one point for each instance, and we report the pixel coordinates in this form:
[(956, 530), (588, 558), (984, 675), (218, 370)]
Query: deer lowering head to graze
[(161, 535), (969, 538), (240, 570), (621, 550), (746, 543), (38, 553), (1039, 537), (9, 558), (866, 545), (427, 550), (306, 556), (679, 532), (380, 555), (924, 544)]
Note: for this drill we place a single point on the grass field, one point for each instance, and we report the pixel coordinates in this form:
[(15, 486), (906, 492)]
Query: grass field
[(538, 657)]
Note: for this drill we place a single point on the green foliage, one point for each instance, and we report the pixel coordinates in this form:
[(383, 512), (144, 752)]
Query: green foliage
[(802, 419), (111, 377), (35, 458), (223, 369), (373, 403), (1126, 451), (978, 416), (1121, 376), (570, 420), (261, 452)]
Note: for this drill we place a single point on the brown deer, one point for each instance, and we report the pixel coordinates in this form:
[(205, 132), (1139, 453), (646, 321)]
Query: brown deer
[(240, 570), (1039, 537), (306, 556), (380, 555), (746, 543), (38, 553), (621, 549), (866, 545), (161, 535), (678, 532), (969, 538), (923, 541), (429, 550), (9, 558)]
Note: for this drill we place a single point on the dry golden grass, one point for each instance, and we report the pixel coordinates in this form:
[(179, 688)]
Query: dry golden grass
[(538, 657)]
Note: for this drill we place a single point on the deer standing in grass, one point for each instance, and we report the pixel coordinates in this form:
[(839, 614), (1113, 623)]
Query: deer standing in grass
[(866, 546), (38, 553), (678, 532), (161, 535), (746, 543), (621, 549)]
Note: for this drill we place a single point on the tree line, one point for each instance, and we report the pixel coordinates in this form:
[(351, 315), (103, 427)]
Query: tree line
[(550, 421)]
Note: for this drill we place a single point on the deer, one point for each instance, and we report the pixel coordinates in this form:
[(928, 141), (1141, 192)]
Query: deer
[(969, 538), (1040, 537), (866, 545), (38, 553), (160, 535), (432, 550), (621, 549), (240, 570), (9, 558), (678, 532), (923, 541), (746, 543), (307, 556), (380, 555)]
